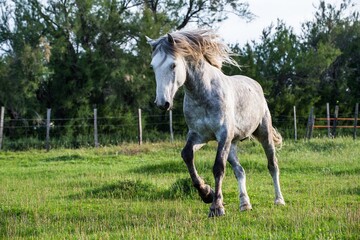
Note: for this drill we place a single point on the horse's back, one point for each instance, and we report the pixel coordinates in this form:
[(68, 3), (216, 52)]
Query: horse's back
[(248, 92), (245, 82), (250, 104)]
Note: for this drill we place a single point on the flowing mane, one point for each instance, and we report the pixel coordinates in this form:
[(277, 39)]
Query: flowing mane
[(197, 45)]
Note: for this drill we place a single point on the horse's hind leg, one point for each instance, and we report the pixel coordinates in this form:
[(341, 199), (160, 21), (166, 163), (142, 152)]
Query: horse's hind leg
[(266, 134), (241, 178), (193, 143)]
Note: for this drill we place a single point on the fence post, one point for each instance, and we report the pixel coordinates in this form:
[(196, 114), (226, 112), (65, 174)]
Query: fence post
[(310, 124), (328, 119), (1, 125), (295, 128), (139, 127), (171, 127), (96, 140), (48, 113), (335, 120), (355, 119)]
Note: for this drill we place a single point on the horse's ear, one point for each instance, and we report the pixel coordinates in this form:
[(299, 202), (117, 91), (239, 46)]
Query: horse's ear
[(170, 39)]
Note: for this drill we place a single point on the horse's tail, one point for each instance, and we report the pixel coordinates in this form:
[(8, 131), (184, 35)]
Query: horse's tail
[(278, 140)]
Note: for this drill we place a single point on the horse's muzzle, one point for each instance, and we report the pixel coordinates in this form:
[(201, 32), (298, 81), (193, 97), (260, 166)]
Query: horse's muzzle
[(165, 106)]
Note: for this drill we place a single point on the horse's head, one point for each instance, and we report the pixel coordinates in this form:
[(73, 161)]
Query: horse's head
[(169, 69)]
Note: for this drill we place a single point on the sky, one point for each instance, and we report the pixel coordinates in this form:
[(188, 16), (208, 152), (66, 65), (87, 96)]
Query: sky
[(292, 12)]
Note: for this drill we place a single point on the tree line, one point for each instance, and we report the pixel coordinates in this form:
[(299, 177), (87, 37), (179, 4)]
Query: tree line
[(72, 56), (319, 66)]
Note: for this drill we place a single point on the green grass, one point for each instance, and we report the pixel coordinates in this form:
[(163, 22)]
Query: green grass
[(144, 192)]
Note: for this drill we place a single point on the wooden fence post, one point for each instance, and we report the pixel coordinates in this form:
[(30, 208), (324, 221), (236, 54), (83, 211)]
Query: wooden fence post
[(139, 127), (310, 124), (171, 127), (335, 120), (328, 119), (96, 140), (48, 113), (295, 128), (356, 119), (1, 125)]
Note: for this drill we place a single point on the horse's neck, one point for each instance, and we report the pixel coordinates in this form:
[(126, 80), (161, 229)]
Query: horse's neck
[(199, 81)]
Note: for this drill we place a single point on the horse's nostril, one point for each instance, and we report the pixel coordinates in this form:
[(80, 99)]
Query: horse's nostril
[(166, 106)]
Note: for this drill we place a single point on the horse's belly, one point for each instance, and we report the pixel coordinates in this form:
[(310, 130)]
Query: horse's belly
[(246, 124), (203, 125), (244, 130)]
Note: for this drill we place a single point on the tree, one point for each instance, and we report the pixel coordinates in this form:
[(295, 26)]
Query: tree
[(23, 64), (335, 34), (319, 66)]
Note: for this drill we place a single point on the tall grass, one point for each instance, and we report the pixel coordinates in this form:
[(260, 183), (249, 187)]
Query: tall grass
[(143, 192)]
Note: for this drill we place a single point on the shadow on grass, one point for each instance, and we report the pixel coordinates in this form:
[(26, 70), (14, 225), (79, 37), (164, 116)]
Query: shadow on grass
[(321, 170), (139, 190), (162, 168), (172, 167), (64, 158), (351, 191), (352, 171)]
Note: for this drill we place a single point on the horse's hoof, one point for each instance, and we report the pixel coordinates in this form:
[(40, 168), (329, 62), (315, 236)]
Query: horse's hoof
[(245, 207), (279, 201), (217, 212), (207, 194)]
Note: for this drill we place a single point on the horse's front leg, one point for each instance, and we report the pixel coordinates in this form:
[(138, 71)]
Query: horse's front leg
[(193, 143), (217, 206)]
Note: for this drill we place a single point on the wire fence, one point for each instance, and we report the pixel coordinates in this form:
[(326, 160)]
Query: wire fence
[(27, 133), (30, 133)]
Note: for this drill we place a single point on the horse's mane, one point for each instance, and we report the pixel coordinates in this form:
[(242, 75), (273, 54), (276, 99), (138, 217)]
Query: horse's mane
[(197, 45)]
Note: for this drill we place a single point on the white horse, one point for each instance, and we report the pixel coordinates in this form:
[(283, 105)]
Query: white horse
[(216, 107)]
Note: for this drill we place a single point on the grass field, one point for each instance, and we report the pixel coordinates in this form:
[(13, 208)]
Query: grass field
[(144, 192)]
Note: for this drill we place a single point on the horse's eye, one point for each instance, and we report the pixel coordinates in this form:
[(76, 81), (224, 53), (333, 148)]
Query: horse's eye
[(172, 66), (151, 66)]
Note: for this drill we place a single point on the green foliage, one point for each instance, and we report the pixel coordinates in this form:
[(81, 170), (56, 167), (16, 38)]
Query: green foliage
[(333, 39), (307, 70)]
